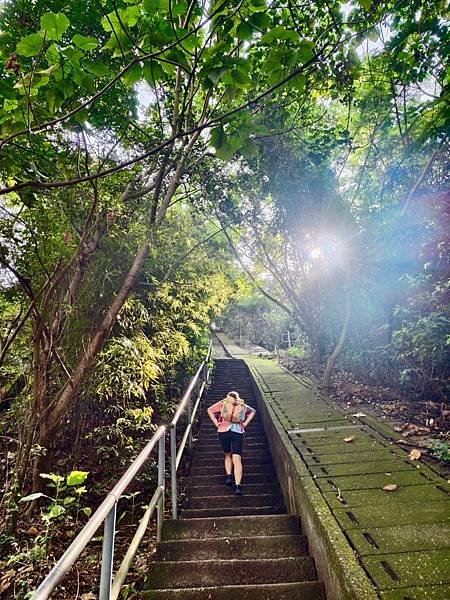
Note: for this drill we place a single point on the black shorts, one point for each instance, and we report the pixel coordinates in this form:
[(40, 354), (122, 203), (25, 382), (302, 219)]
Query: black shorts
[(231, 442)]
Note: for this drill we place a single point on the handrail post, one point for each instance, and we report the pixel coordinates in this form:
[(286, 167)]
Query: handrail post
[(108, 554), (161, 483), (173, 470)]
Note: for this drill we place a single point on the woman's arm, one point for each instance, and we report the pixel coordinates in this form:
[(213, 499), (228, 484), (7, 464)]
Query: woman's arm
[(212, 411), (249, 418)]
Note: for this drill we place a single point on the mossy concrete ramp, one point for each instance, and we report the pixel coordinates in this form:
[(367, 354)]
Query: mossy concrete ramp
[(367, 542)]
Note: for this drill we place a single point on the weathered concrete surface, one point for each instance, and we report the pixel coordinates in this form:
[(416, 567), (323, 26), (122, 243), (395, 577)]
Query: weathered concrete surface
[(367, 542), (311, 590)]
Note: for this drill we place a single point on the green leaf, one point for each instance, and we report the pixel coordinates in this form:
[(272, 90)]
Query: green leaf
[(11, 104), (217, 137), (87, 511), (305, 52), (56, 510), (132, 75), (298, 82), (244, 31), (179, 8), (29, 45), (73, 55), (52, 476), (216, 73), (53, 54), (249, 149), (156, 6), (366, 4), (54, 24), (152, 72), (279, 33), (32, 497), (50, 71), (84, 43), (98, 68), (54, 99), (178, 57), (81, 117), (241, 78), (225, 152), (76, 477), (372, 34), (260, 20)]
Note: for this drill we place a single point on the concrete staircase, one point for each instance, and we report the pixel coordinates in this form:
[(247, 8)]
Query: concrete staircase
[(227, 547)]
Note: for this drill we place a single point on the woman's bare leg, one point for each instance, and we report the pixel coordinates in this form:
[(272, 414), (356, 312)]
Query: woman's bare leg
[(237, 468), (228, 463)]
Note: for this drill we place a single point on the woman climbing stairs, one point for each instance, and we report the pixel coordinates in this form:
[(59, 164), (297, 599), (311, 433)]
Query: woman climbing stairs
[(233, 547)]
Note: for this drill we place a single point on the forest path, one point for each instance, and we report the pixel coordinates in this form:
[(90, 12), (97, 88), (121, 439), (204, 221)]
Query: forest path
[(401, 537)]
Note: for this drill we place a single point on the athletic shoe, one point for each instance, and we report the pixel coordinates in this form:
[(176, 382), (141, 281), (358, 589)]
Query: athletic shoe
[(229, 480), (237, 490)]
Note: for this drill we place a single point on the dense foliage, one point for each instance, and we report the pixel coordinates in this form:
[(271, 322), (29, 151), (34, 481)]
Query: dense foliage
[(156, 153)]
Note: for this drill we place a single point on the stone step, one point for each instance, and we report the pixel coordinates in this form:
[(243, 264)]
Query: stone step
[(218, 453), (213, 440), (232, 527), (272, 546), (185, 574), (213, 435), (248, 478), (237, 511), (306, 590), (229, 500), (217, 461), (252, 442), (217, 490), (212, 470)]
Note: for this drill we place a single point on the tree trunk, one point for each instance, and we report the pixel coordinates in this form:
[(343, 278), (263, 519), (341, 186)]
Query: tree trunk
[(334, 356), (51, 417)]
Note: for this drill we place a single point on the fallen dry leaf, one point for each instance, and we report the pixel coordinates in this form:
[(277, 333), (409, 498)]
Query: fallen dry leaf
[(415, 454), (398, 429), (350, 438), (359, 414), (390, 487), (88, 596), (32, 531)]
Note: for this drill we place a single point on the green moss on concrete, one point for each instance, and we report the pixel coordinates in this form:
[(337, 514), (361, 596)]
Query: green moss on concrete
[(349, 457), (333, 437), (401, 513), (359, 444), (409, 569), (376, 497), (362, 482), (434, 592), (360, 468), (382, 540)]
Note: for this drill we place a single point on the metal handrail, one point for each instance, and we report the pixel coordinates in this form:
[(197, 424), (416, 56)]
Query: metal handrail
[(106, 512)]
